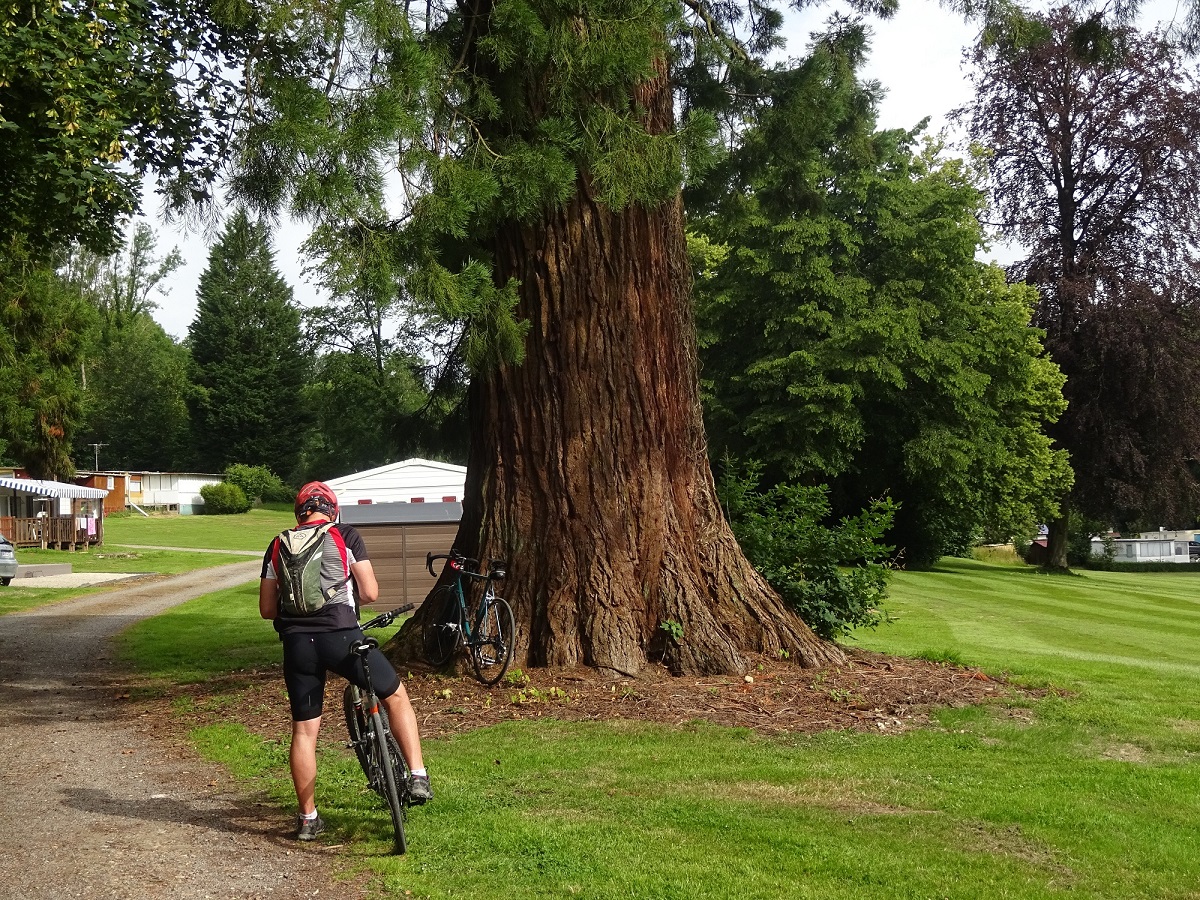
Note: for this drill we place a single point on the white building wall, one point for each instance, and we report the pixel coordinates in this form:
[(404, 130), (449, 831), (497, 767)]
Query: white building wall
[(1146, 550), (171, 490), (188, 490), (411, 481)]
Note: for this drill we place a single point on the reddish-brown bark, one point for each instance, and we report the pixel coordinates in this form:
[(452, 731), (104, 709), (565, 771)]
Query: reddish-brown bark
[(589, 468)]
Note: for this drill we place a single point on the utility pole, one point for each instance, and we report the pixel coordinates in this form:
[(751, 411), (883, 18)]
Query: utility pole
[(96, 447)]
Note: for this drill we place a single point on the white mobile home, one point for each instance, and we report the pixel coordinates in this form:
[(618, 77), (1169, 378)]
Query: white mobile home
[(1146, 549), (173, 491)]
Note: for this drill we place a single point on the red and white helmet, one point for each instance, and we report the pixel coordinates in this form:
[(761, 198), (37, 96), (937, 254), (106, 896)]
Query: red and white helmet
[(316, 496)]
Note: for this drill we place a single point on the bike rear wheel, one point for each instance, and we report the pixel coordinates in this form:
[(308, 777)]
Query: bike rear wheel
[(442, 632), (492, 644)]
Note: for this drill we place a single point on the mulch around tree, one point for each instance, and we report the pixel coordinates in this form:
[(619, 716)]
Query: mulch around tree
[(872, 692)]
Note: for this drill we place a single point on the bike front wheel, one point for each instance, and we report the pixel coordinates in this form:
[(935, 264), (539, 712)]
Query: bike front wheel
[(357, 728), (394, 771), (492, 644), (442, 631)]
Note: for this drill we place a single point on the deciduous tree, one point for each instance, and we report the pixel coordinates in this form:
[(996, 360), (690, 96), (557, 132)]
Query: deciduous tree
[(849, 335), (93, 95), (1094, 131)]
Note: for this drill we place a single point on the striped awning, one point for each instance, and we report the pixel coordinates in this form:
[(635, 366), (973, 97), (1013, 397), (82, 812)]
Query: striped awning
[(56, 489)]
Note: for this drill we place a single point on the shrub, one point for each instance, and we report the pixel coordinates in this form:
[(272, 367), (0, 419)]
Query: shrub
[(1080, 531), (259, 483), (224, 499), (833, 576)]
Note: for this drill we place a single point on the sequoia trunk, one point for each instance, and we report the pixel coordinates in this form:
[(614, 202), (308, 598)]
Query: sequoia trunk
[(589, 469)]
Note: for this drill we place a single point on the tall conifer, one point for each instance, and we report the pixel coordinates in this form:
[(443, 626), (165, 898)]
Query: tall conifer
[(247, 365)]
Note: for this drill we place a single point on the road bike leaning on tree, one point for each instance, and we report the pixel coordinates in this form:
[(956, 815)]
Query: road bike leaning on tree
[(371, 736), (487, 632)]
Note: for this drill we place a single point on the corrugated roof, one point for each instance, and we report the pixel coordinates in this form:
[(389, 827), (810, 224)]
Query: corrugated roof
[(55, 489), (396, 468)]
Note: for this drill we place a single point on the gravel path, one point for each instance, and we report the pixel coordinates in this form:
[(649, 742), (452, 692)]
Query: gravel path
[(95, 808)]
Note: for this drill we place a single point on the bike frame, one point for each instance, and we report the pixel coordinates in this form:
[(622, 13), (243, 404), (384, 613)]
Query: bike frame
[(487, 631), (461, 574), (374, 744)]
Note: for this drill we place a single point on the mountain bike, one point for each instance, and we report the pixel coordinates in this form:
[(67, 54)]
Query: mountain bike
[(371, 736), (487, 632)]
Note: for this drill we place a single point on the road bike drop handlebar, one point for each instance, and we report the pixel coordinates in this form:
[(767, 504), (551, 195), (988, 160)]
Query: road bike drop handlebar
[(464, 565)]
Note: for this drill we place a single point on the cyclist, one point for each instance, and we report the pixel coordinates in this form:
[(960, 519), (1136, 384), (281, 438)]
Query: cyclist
[(317, 642)]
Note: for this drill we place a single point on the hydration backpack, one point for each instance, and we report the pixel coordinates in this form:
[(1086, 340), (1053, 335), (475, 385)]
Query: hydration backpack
[(298, 570)]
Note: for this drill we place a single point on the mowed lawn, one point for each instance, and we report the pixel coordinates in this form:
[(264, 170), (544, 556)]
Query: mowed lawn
[(1091, 791)]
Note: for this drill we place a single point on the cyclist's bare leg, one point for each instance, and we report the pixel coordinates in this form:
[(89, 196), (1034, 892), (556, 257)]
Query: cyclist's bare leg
[(404, 727), (303, 761)]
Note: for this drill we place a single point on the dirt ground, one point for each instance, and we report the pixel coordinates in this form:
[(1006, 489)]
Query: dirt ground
[(96, 805), (871, 693)]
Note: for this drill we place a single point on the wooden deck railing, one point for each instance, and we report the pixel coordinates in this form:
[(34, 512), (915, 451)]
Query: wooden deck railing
[(53, 532)]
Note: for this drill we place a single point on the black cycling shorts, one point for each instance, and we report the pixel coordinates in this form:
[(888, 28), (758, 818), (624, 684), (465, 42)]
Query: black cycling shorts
[(307, 657)]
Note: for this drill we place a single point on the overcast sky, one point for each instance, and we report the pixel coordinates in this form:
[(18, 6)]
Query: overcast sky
[(916, 56)]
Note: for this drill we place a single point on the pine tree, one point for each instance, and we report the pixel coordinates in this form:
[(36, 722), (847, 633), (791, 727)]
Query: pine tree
[(247, 365)]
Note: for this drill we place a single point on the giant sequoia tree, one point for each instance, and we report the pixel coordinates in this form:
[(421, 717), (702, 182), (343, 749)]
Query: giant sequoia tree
[(1095, 135), (521, 164)]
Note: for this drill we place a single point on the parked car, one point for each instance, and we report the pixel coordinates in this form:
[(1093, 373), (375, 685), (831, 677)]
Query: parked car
[(8, 561)]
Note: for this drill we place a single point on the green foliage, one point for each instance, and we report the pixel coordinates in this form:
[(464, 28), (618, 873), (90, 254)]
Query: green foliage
[(486, 123), (1080, 531), (849, 335), (134, 399), (44, 333), (259, 483), (224, 499), (133, 373), (834, 577), (94, 95), (248, 368), (122, 285), (365, 414), (673, 630)]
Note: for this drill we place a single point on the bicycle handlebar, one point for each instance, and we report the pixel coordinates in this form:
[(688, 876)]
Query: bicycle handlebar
[(464, 565), (385, 619)]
